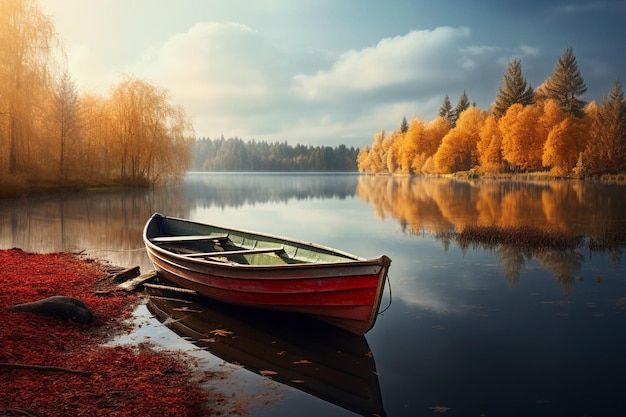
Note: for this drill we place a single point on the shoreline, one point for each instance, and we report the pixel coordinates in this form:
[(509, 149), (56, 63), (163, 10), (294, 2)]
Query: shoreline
[(21, 188), (53, 367)]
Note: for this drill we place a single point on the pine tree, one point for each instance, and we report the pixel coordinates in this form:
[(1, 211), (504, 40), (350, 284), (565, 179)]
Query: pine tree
[(461, 105), (516, 90), (446, 108), (566, 85), (404, 126)]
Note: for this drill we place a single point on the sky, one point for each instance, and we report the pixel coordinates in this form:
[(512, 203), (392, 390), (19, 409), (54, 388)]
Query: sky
[(331, 72)]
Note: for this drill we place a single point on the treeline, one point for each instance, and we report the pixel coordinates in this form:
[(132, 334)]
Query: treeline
[(49, 132), (549, 128), (235, 155)]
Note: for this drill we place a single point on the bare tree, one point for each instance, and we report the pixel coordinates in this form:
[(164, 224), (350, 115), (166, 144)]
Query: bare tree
[(66, 117)]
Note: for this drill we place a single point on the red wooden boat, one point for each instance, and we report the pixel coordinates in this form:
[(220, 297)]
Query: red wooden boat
[(266, 271)]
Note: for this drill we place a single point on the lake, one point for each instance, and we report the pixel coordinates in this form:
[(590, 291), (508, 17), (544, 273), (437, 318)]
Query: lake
[(469, 330)]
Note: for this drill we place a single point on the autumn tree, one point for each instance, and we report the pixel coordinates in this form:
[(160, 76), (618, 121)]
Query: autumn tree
[(434, 132), (411, 148), (150, 135), (390, 156), (458, 150), (490, 146), (523, 137), (516, 89), (374, 160), (27, 38), (363, 160), (566, 85), (65, 116), (606, 148), (97, 138), (565, 139)]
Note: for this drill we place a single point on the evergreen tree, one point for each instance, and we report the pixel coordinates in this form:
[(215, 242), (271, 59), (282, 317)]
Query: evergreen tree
[(566, 85), (461, 105), (446, 108), (404, 126), (516, 90)]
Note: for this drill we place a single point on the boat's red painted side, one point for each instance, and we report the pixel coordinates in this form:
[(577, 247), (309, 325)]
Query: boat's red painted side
[(347, 294)]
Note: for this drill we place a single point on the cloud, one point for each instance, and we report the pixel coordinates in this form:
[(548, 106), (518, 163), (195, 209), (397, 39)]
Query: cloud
[(211, 61), (233, 81), (419, 56)]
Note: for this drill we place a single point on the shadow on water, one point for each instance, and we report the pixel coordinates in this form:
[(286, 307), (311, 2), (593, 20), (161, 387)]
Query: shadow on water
[(321, 360)]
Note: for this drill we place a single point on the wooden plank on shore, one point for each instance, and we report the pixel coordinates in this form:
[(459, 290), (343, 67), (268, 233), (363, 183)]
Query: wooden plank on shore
[(138, 282), (170, 288), (125, 274)]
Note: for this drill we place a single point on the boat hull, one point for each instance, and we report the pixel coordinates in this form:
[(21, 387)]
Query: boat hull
[(342, 289)]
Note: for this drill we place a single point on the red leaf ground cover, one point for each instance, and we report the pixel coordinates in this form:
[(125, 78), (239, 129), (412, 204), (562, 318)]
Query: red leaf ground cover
[(123, 381)]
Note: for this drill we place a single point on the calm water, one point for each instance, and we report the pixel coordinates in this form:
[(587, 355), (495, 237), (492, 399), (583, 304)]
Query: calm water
[(492, 331)]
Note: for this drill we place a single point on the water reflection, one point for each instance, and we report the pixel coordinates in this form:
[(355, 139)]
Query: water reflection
[(104, 224), (481, 329), (108, 224), (312, 357), (237, 189), (440, 206)]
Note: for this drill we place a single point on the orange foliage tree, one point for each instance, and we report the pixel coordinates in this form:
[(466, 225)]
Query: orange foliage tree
[(522, 137), (490, 147), (458, 150), (411, 149), (606, 148), (149, 134), (27, 39), (434, 132), (49, 132), (565, 140)]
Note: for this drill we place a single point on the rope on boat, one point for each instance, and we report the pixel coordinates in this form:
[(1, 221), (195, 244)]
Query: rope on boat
[(388, 305)]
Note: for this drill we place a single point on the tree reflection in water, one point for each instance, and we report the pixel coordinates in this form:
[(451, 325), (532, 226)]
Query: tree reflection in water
[(554, 222)]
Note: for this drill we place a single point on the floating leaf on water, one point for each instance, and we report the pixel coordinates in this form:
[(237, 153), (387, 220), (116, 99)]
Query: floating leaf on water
[(440, 409), (221, 332), (268, 373), (302, 361)]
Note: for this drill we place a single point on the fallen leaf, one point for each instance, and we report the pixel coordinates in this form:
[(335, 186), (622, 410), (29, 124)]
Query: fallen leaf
[(440, 409), (281, 353), (267, 373), (297, 381), (221, 332), (300, 362)]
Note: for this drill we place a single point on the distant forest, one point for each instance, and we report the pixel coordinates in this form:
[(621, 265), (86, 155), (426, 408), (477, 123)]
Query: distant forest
[(235, 155)]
